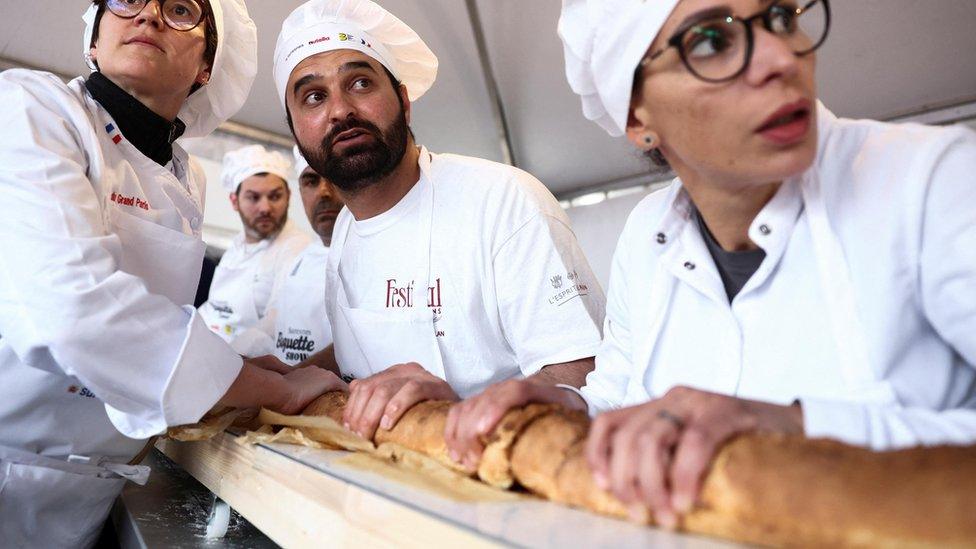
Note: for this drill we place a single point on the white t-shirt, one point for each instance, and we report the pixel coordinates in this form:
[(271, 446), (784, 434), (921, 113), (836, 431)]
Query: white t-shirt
[(509, 285)]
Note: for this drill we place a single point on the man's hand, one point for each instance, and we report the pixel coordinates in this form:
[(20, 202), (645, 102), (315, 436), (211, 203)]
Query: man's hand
[(653, 456), (381, 399), (303, 385), (269, 362), (476, 417)]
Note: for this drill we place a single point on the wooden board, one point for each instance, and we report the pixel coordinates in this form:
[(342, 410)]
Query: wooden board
[(304, 497)]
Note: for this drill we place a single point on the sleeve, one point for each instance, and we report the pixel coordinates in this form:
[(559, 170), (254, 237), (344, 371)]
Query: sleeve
[(606, 385), (550, 303), (947, 287), (65, 305)]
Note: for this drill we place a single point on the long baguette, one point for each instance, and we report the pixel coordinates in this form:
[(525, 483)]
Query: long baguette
[(760, 488)]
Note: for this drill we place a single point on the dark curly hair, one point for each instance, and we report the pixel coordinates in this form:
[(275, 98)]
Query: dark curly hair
[(210, 34)]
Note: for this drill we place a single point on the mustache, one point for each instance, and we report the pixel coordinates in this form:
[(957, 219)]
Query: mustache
[(325, 206), (346, 125)]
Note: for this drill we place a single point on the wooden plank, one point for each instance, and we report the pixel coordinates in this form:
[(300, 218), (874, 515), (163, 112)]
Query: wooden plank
[(299, 506)]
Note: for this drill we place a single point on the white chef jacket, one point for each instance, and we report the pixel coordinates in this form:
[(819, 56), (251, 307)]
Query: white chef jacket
[(863, 310), (245, 277), (490, 253), (296, 325), (99, 263)]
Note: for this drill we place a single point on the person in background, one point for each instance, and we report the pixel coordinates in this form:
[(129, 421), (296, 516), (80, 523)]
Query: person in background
[(256, 181), (101, 253), (446, 273), (296, 327), (804, 273)]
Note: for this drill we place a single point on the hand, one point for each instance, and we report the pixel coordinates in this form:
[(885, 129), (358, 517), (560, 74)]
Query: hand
[(381, 399), (269, 362), (653, 456), (475, 418), (303, 385)]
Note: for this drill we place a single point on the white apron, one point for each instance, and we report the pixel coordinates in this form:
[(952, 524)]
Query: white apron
[(301, 324), (368, 342), (230, 308), (49, 501)]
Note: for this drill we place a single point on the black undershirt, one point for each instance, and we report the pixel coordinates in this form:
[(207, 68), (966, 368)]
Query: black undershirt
[(735, 268), (152, 134)]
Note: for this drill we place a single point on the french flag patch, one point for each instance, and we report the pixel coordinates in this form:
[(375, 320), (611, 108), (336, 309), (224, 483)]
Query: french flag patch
[(113, 132)]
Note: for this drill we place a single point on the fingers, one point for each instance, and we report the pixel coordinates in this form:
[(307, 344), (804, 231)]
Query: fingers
[(450, 430), (694, 453), (369, 418), (478, 417), (360, 391), (462, 443), (409, 394), (380, 400), (597, 449), (655, 445), (307, 384)]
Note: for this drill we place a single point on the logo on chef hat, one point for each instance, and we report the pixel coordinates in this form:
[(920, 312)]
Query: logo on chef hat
[(556, 281), (345, 37)]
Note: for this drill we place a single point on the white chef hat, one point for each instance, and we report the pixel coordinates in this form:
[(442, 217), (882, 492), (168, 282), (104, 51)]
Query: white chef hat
[(324, 25), (604, 41), (252, 160), (234, 68), (300, 162)]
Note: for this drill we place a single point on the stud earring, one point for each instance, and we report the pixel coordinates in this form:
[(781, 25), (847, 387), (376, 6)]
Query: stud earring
[(648, 140)]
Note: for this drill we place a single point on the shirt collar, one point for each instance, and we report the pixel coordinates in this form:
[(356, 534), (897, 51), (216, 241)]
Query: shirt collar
[(148, 132)]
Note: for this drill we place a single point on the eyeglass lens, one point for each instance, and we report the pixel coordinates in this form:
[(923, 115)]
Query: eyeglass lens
[(719, 48), (180, 15)]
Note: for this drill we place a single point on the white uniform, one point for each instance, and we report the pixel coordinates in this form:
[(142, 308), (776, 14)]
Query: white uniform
[(244, 279), (296, 326), (475, 274), (99, 263), (864, 308)]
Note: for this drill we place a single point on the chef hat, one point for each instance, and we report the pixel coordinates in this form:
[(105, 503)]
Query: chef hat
[(234, 68), (324, 25), (604, 41), (252, 160), (300, 162)]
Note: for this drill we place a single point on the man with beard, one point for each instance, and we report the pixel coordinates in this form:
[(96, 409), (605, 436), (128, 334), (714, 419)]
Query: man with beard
[(256, 180), (447, 274), (296, 326)]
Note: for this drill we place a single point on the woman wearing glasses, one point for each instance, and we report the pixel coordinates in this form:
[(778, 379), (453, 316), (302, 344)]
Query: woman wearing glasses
[(101, 253), (803, 273)]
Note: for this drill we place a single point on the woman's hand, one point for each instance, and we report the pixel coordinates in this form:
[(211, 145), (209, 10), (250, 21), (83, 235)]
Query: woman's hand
[(653, 456)]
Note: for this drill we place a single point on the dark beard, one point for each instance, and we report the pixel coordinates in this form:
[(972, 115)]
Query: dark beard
[(363, 165), (253, 230)]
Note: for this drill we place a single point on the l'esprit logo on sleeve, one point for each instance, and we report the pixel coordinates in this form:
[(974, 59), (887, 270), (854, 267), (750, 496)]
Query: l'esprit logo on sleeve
[(567, 289), (132, 201), (81, 391)]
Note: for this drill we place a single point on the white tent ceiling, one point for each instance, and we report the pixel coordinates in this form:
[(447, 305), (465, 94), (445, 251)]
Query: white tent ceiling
[(884, 58)]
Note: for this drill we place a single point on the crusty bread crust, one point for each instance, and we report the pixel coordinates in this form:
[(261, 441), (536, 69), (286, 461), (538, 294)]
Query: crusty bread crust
[(761, 488)]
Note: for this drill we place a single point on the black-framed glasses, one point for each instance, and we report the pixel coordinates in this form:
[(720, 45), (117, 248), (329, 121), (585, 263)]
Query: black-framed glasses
[(719, 48), (181, 15)]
